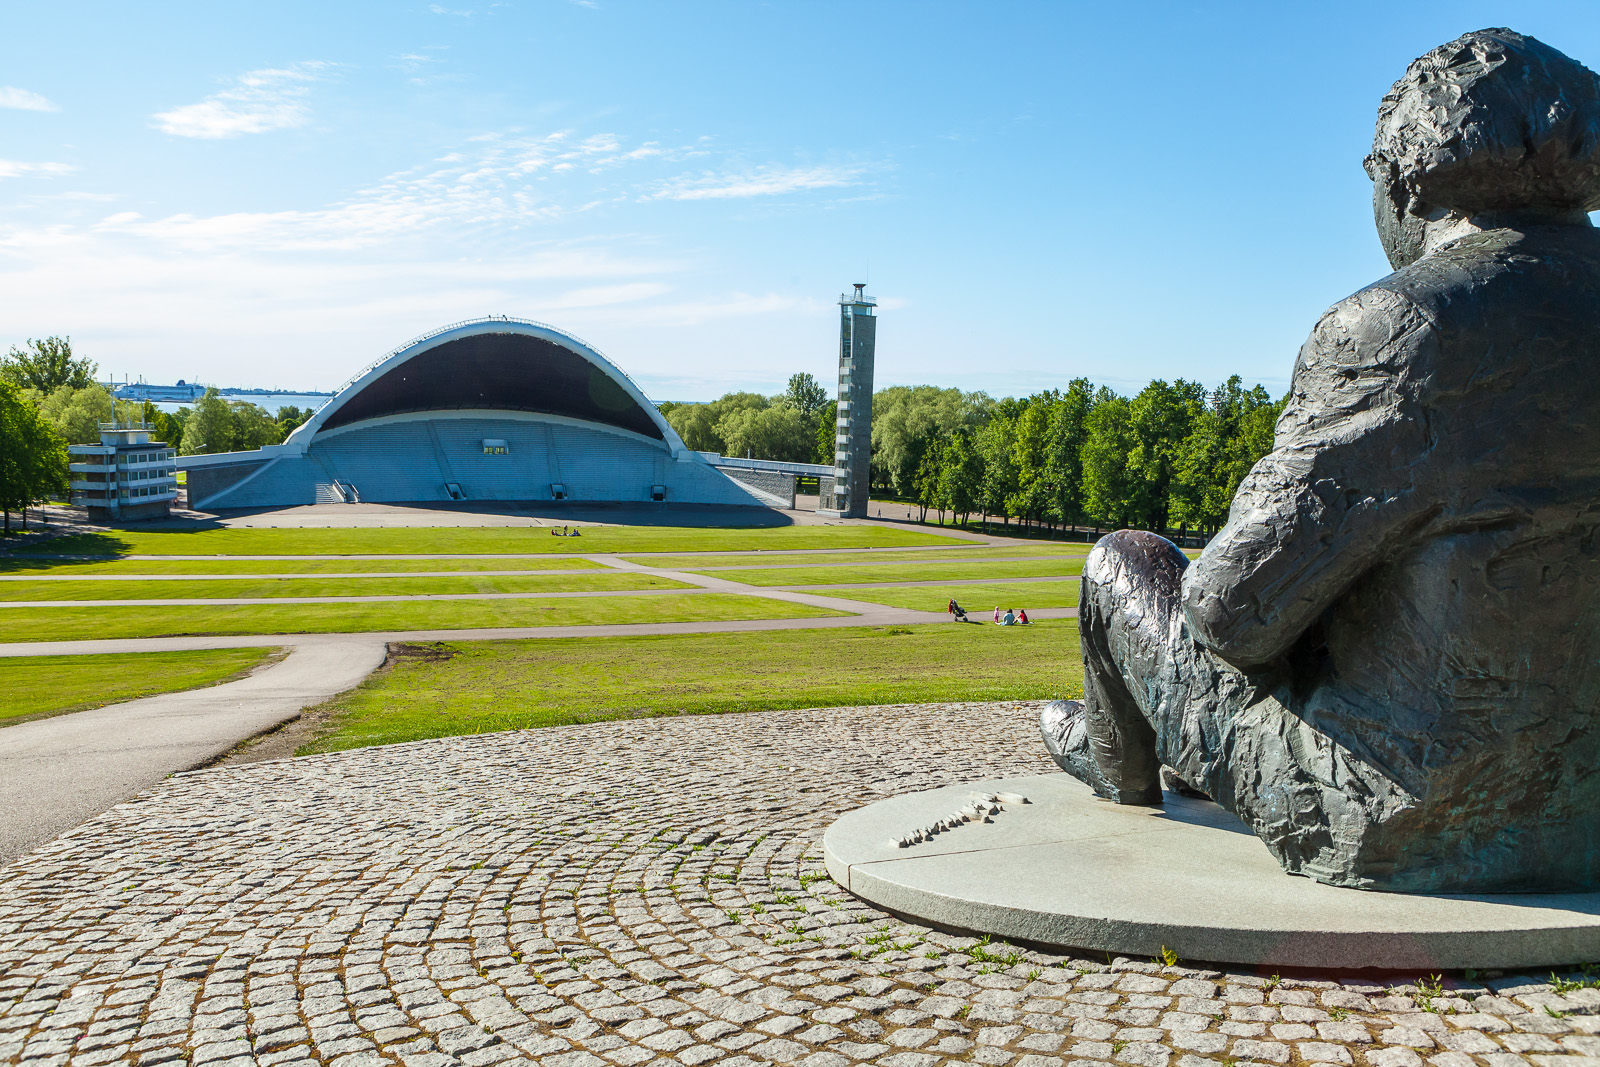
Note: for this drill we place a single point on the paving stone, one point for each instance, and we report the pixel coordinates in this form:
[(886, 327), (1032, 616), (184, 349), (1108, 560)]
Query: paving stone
[(1323, 1052), (435, 903)]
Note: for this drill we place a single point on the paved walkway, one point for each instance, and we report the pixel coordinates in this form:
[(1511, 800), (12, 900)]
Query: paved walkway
[(57, 772), (645, 894), (877, 615)]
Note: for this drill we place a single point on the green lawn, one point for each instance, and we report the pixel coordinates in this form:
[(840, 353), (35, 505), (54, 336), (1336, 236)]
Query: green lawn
[(977, 599), (581, 581), (49, 685), (505, 685), (908, 572), (24, 566), (69, 624), (800, 559), (309, 541)]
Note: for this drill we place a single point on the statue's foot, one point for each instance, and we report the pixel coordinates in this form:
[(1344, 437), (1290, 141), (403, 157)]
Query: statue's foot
[(1175, 783), (1067, 738)]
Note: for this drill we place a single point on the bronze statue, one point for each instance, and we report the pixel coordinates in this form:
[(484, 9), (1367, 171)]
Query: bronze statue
[(1387, 663)]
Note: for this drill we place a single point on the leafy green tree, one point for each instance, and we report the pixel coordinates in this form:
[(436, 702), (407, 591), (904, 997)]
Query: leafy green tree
[(252, 426), (996, 443), (908, 420), (169, 427), (1068, 431), (1160, 418), (961, 473), (33, 457), (697, 423), (827, 433), (47, 365), (1227, 439), (76, 413), (778, 432), (805, 394), (1030, 454), (210, 427), (1109, 484)]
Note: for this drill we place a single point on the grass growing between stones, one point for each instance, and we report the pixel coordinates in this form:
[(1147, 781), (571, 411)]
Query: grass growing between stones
[(447, 689), (578, 582), (37, 686), (979, 600), (73, 623), (308, 541)]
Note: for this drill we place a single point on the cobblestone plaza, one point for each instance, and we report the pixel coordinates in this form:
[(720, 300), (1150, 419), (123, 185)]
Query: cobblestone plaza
[(646, 891)]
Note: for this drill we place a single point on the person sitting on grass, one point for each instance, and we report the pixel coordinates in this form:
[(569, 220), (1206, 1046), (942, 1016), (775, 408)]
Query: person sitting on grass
[(1022, 617), (1008, 619)]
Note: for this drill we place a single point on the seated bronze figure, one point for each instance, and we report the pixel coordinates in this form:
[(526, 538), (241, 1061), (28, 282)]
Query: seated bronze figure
[(1387, 663)]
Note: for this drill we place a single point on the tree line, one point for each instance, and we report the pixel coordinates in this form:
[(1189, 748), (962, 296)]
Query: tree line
[(1169, 457)]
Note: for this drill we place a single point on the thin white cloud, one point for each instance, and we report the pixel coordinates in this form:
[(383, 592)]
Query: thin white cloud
[(501, 180), (258, 102), (13, 168), (764, 181), (23, 100), (440, 9)]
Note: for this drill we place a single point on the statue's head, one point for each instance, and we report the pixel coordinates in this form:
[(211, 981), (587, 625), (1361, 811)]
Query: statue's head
[(1493, 123)]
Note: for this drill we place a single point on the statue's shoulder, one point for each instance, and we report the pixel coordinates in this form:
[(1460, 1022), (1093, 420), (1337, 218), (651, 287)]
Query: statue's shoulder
[(1369, 328), (1490, 273)]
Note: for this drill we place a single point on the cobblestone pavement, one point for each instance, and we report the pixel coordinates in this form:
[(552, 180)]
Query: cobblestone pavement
[(641, 892)]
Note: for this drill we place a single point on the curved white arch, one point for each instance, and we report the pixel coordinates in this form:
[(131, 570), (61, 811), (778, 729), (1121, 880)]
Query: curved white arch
[(301, 438)]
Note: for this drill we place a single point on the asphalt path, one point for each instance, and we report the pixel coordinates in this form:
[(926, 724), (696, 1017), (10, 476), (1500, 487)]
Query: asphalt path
[(227, 601), (55, 773)]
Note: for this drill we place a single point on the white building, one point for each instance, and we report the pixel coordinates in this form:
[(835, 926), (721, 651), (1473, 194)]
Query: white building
[(126, 475)]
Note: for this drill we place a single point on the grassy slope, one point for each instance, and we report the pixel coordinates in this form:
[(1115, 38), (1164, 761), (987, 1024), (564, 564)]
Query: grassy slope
[(977, 599), (910, 572), (503, 685), (306, 541), (45, 685), (72, 624), (23, 566), (877, 555), (581, 581)]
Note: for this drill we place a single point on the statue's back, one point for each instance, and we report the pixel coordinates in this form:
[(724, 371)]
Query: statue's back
[(1480, 692)]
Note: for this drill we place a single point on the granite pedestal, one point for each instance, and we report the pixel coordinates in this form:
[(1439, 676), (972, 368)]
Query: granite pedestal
[(1041, 860)]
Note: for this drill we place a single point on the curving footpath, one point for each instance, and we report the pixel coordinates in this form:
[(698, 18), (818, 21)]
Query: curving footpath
[(57, 772)]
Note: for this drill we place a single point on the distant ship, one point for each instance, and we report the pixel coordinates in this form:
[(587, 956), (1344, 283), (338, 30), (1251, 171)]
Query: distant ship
[(182, 393), (186, 393)]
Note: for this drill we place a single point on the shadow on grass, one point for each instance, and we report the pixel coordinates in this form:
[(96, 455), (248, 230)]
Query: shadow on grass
[(79, 544)]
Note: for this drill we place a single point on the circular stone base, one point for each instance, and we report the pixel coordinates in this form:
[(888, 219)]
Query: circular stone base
[(1063, 868)]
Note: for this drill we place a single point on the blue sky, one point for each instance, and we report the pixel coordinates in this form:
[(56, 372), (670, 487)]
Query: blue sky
[(276, 194)]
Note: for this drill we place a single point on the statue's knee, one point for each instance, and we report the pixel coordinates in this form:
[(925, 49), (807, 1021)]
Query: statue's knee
[(1137, 552)]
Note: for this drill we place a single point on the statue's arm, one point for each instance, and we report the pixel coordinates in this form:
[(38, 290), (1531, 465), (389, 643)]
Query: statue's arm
[(1342, 486)]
